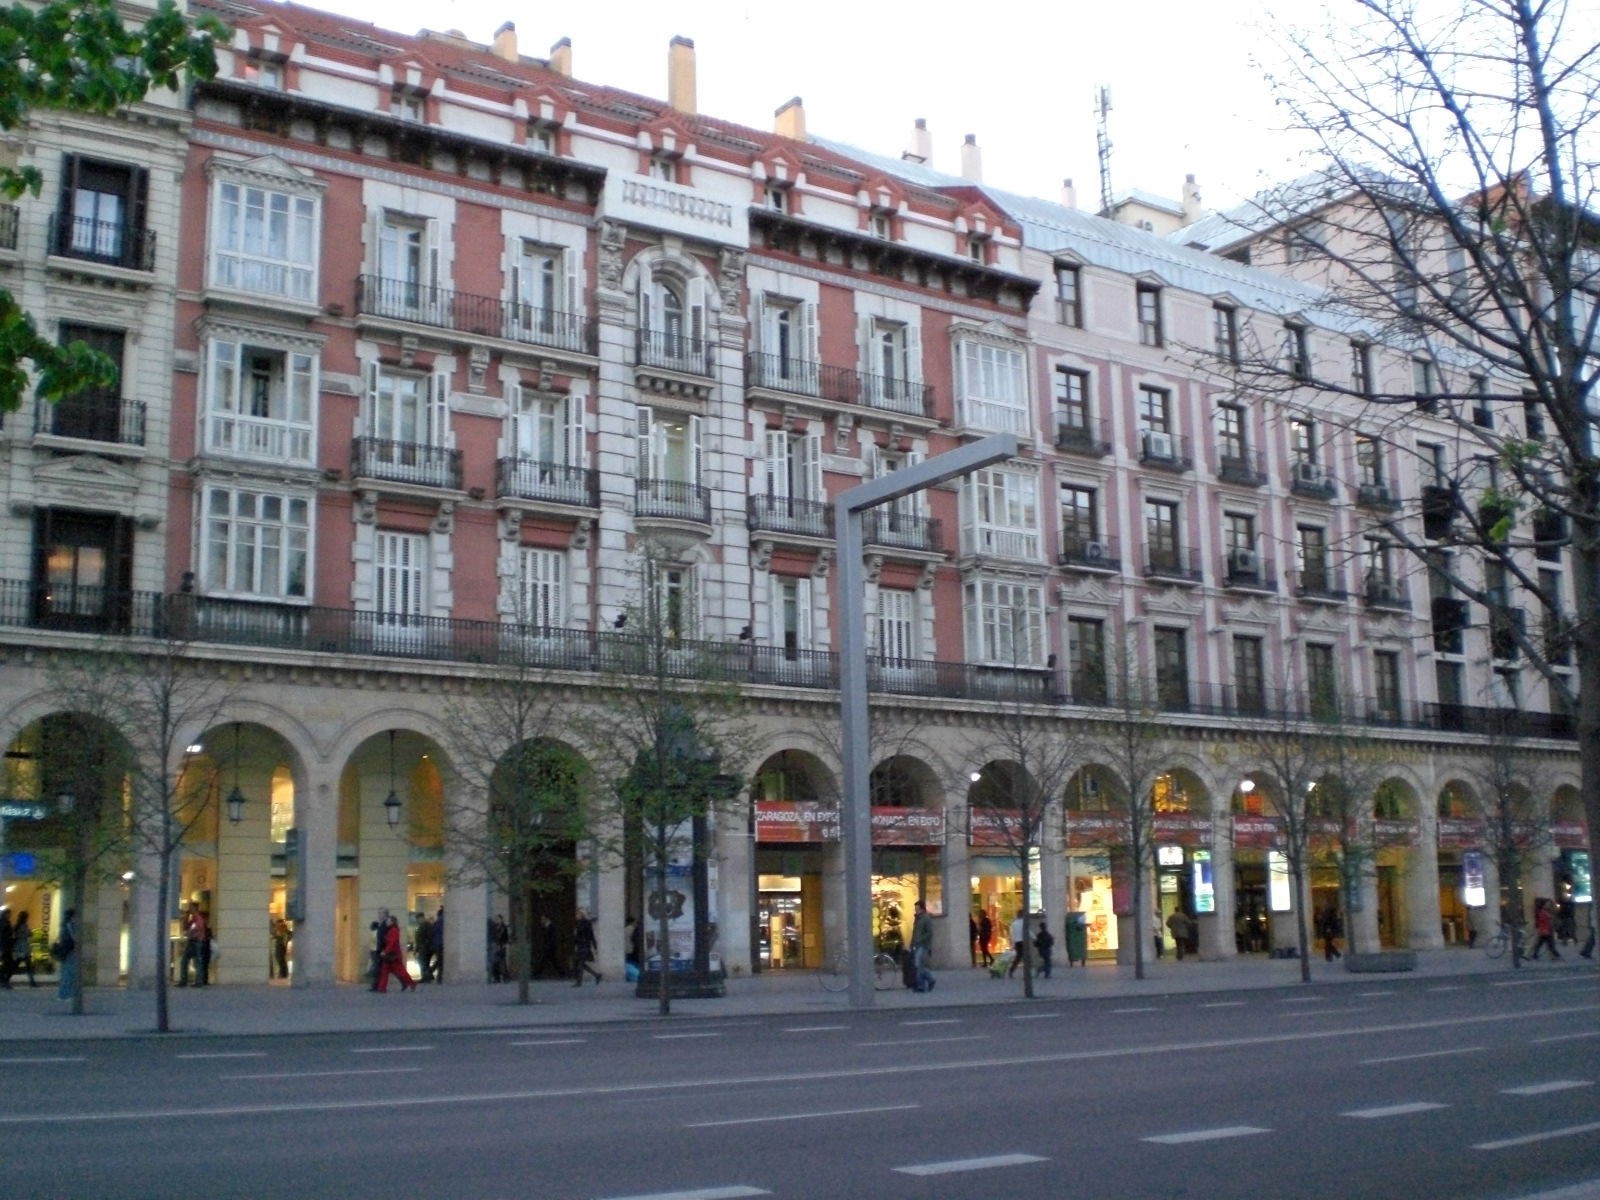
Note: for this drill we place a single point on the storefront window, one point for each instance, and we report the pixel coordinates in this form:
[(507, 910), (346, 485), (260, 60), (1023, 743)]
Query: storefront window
[(1089, 892)]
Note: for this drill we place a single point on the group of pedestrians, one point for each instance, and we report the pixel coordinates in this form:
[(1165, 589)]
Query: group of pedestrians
[(16, 948)]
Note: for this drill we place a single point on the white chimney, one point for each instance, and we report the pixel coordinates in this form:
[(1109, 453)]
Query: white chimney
[(1069, 194), (561, 57), (505, 42), (1193, 210), (921, 149), (971, 159), (680, 74)]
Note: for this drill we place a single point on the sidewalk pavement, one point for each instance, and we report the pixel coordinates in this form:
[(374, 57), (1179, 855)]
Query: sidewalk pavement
[(31, 1015)]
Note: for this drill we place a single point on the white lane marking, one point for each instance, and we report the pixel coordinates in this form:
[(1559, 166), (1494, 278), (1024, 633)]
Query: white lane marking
[(1323, 1012), (1301, 999), (1449, 987), (389, 1049), (1553, 1085), (1369, 995), (955, 1165), (326, 1074), (552, 1042), (813, 1028), (643, 1088), (1365, 1062), (1392, 1110), (54, 1058), (807, 1116), (229, 1054), (1224, 1004), (673, 1037), (1044, 1016), (1135, 1010), (721, 1193), (934, 1021), (930, 1041), (1529, 1139), (1205, 1135), (1537, 981), (1560, 1037)]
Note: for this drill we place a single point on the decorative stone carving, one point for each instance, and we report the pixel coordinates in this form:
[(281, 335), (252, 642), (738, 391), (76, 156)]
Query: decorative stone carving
[(613, 237), (477, 368), (820, 568), (511, 524), (366, 507), (761, 554), (873, 567), (408, 350), (445, 519), (928, 571), (730, 276), (581, 534)]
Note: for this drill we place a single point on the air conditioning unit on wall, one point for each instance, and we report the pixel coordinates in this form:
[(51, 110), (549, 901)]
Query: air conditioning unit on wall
[(1158, 444)]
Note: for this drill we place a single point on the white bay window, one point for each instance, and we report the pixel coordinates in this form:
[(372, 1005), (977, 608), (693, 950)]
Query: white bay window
[(254, 544), (260, 402), (1000, 511), (1005, 622), (993, 388)]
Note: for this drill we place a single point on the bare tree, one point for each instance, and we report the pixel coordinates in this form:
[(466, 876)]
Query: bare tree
[(159, 698), (1453, 217), (669, 718), (523, 804)]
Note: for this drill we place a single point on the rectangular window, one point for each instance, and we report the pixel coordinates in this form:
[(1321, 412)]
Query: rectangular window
[(264, 242), (1424, 386), (256, 545), (1072, 399), (1303, 440), (1296, 351), (1532, 416), (1322, 682), (897, 624), (400, 577), (1482, 412), (1369, 463), (1376, 558), (1148, 298), (1086, 654), (1002, 512), (260, 402), (791, 606), (1161, 534), (1172, 669), (880, 226), (102, 213), (663, 167), (1232, 445), (1311, 559), (1005, 622), (1225, 332), (1155, 409), (541, 598), (97, 414), (1249, 674), (994, 393), (1238, 534), (1361, 368), (1069, 297), (1386, 683), (1080, 518)]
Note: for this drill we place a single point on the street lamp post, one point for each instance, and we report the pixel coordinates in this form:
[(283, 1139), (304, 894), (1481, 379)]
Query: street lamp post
[(855, 825)]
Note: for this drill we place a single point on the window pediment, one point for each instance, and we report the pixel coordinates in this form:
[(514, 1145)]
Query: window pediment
[(268, 171), (266, 336)]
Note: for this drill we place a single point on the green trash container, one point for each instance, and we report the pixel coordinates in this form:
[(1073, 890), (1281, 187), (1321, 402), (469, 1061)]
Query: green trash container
[(1077, 938)]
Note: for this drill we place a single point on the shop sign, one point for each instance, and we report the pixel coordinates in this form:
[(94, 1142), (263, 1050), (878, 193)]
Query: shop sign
[(1388, 832), (991, 827), (1259, 832), (1094, 829), (17, 810), (790, 821), (1569, 834), (1472, 888), (907, 826), (1576, 864), (1187, 829), (1201, 885), (18, 865), (1459, 833)]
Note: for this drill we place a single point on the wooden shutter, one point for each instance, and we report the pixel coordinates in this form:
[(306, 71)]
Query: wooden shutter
[(811, 467), (573, 431), (644, 443), (439, 410), (696, 450), (777, 464)]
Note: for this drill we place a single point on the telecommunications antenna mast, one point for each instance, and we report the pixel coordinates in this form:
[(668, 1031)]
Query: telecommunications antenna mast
[(1102, 141)]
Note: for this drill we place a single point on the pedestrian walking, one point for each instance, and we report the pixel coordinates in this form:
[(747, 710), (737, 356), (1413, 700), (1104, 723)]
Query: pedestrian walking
[(281, 934), (65, 951), (1158, 934), (922, 947), (549, 950), (1178, 924), (972, 937), (22, 948), (8, 946), (436, 958), (1044, 942), (584, 949), (1019, 943), (392, 959), (499, 946), (986, 938), (423, 941), (1329, 928), (1544, 924), (196, 954)]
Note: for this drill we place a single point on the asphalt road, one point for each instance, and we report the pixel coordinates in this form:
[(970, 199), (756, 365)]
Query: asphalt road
[(1478, 1088)]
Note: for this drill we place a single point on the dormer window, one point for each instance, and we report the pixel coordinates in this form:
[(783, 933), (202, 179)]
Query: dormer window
[(410, 106), (542, 137), (777, 197), (264, 71), (978, 248), (663, 167), (878, 225)]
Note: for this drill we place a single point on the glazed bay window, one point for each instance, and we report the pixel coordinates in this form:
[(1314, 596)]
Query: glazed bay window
[(264, 241), (994, 388), (260, 402), (1005, 622), (255, 545), (1001, 511)]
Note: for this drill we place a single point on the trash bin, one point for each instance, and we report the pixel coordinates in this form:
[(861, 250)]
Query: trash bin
[(1077, 938)]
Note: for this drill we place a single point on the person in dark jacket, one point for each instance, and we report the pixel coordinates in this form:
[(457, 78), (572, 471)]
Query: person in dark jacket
[(1044, 942), (584, 949)]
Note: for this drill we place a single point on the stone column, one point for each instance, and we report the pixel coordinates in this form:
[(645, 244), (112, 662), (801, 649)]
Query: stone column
[(316, 817), (1217, 942), (1422, 891), (735, 859), (950, 943)]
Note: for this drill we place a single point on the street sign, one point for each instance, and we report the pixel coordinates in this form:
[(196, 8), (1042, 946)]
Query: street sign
[(16, 810)]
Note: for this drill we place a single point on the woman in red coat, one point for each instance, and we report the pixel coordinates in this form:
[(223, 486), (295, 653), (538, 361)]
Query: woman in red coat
[(392, 960)]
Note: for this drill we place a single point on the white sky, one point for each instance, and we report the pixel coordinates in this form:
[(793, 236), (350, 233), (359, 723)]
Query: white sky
[(1184, 96)]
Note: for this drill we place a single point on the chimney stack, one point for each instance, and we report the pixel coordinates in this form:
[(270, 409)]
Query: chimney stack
[(561, 57), (680, 74), (1069, 194), (505, 42), (921, 150), (1193, 210), (971, 159), (789, 120)]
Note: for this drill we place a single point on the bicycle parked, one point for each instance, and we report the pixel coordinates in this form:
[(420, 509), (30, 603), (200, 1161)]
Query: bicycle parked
[(1504, 936), (834, 973)]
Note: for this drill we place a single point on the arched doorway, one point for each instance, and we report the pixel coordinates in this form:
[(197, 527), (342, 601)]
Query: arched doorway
[(907, 835), (796, 829), (1460, 842), (1394, 833)]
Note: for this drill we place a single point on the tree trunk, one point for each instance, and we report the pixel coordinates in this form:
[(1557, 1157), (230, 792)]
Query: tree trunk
[(524, 950), (80, 885), (1302, 897), (663, 921), (163, 945)]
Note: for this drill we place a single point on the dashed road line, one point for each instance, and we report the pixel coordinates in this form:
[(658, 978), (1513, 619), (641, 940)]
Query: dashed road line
[(44, 1058), (1151, 1008), (1373, 995), (1393, 1110), (1547, 1135), (930, 1041), (1324, 1012), (228, 1054), (1044, 1016), (956, 1165), (674, 1037), (1448, 987), (326, 1074), (934, 1021), (721, 1193), (1560, 1037), (389, 1049), (805, 1116), (1366, 1062), (1544, 1089), (552, 1042), (1224, 1004), (812, 1028), (1205, 1135), (1301, 999)]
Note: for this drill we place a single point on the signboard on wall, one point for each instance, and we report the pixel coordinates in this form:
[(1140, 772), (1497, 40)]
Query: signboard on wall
[(1201, 884), (792, 821), (1458, 833), (1472, 889), (1278, 891)]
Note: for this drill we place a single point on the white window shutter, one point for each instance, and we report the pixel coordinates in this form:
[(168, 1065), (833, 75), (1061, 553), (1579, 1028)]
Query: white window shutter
[(864, 344), (811, 466), (574, 431), (919, 498), (370, 417), (761, 319), (431, 253), (224, 384), (808, 332), (914, 353), (644, 443), (696, 451), (777, 466), (439, 410), (802, 592), (569, 261), (646, 304)]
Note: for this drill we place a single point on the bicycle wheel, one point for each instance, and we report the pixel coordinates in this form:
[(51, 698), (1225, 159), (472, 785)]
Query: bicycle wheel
[(885, 972), (1496, 946), (834, 974)]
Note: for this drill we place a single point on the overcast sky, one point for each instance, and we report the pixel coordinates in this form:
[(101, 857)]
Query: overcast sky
[(1184, 96)]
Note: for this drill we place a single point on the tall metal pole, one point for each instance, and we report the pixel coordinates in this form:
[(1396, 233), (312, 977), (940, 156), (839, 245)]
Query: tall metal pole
[(855, 819)]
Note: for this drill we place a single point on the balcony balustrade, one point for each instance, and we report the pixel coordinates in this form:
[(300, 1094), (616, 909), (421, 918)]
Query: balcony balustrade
[(1307, 478), (1320, 582), (93, 417), (1090, 554), (406, 462), (1382, 592), (484, 316), (674, 352), (1167, 451), (108, 243), (1172, 563), (672, 499), (1246, 570), (1082, 437), (903, 531), (1242, 467), (555, 483), (788, 514), (841, 385)]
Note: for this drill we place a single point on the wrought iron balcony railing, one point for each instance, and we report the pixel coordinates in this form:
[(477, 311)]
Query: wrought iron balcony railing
[(1165, 562), (1243, 468), (557, 483), (905, 531), (787, 514), (485, 316), (93, 417), (110, 243), (1091, 554), (672, 499), (1169, 451), (1082, 437), (674, 352), (406, 462)]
